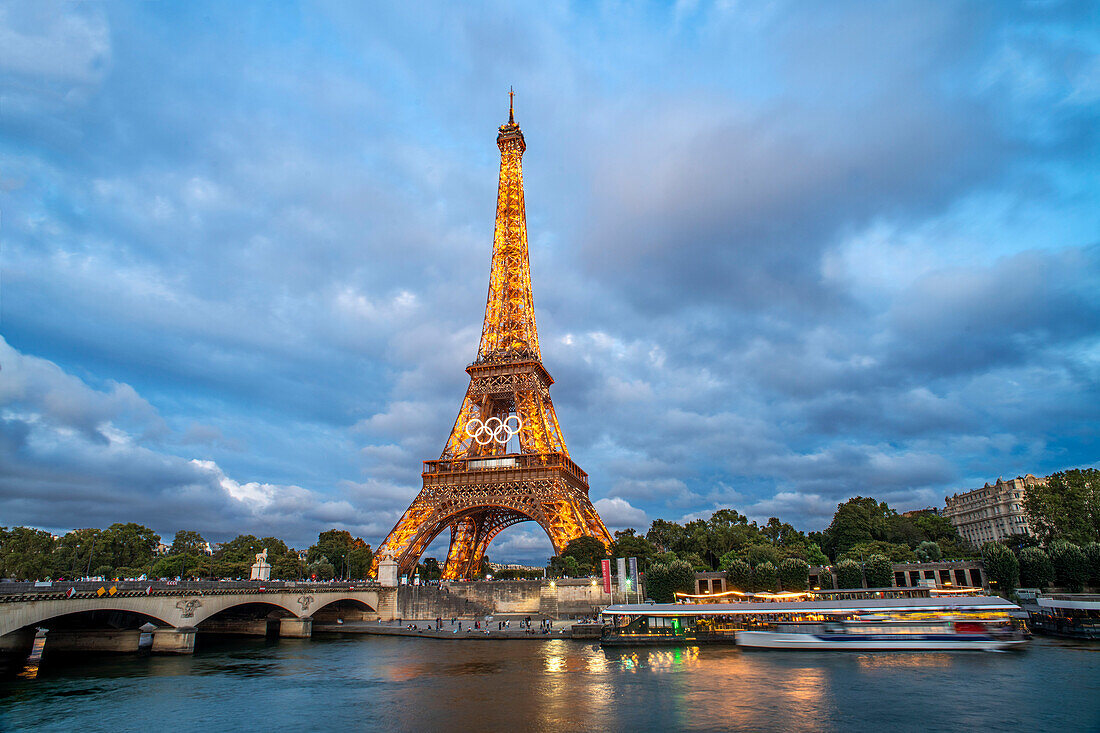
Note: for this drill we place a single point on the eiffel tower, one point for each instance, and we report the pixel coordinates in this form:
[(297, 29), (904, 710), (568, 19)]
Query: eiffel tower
[(484, 480)]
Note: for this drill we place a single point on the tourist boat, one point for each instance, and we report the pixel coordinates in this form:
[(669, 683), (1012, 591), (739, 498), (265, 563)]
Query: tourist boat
[(885, 634), (1073, 615), (684, 624)]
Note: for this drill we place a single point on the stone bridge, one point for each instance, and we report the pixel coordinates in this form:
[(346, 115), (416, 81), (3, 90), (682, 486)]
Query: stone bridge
[(178, 609)]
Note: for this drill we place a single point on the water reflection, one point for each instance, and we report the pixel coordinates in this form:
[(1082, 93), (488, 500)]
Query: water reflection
[(392, 684)]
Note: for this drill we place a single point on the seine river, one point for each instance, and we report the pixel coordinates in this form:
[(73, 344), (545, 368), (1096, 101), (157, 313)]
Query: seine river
[(349, 683)]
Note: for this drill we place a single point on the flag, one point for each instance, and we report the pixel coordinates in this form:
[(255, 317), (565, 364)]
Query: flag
[(634, 574), (101, 592), (624, 581), (149, 591), (605, 565), (69, 593), (114, 589)]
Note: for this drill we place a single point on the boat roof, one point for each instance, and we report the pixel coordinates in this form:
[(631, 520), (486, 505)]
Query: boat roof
[(1085, 601), (870, 605)]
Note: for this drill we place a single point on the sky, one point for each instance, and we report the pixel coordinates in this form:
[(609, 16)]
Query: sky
[(783, 253)]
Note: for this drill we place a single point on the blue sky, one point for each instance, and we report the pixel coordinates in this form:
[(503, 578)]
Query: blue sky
[(783, 253)]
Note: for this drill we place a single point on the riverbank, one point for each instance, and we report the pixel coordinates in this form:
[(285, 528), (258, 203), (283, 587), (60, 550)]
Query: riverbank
[(425, 629)]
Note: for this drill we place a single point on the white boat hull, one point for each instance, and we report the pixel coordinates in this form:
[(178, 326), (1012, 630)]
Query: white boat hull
[(853, 642)]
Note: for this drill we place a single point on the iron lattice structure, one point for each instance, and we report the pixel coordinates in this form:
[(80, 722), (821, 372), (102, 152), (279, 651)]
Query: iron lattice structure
[(479, 486)]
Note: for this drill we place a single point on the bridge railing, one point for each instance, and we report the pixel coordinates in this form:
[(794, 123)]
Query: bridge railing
[(21, 590)]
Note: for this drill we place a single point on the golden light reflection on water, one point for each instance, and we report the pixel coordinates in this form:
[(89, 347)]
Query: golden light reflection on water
[(894, 660)]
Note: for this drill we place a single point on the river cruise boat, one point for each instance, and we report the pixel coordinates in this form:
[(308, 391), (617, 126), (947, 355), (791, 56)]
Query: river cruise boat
[(1073, 615), (648, 624), (877, 633)]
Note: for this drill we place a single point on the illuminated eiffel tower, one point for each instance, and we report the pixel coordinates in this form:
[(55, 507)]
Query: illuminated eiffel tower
[(479, 485)]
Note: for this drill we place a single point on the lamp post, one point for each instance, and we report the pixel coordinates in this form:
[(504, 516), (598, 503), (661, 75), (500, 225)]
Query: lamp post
[(91, 549)]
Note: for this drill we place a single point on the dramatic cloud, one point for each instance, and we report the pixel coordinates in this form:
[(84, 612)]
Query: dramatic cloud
[(783, 253)]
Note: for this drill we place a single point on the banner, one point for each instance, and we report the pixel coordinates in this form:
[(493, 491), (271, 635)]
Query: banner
[(605, 565), (634, 576), (624, 581)]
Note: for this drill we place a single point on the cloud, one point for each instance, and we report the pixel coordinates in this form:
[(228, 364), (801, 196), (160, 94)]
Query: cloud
[(618, 513), (831, 249)]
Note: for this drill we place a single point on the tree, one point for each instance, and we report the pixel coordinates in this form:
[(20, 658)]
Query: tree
[(127, 545), (663, 581), (794, 574), (1036, 570), (782, 534), (929, 551), (628, 544), (322, 570), (893, 552), (879, 572), (1001, 566), (849, 574), (288, 567), (430, 569), (26, 553), (332, 545), (666, 536), (1066, 506), (1071, 565), (74, 553), (756, 554), (587, 551), (359, 562), (563, 567), (242, 548), (936, 527), (1092, 552), (765, 577), (814, 555), (860, 519), (187, 541), (738, 574)]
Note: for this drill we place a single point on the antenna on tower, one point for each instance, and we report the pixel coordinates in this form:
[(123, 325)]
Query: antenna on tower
[(511, 116)]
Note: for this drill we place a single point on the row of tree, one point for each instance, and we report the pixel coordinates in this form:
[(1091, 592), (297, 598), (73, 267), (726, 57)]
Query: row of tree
[(130, 551), (1060, 564)]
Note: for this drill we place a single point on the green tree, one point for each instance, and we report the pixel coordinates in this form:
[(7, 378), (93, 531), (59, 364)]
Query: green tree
[(242, 548), (929, 551), (1066, 507), (936, 527), (332, 545), (322, 570), (666, 536), (359, 562), (794, 574), (756, 554), (893, 552), (1036, 570), (431, 569), (74, 553), (564, 566), (663, 581), (765, 577), (587, 551), (860, 519), (1071, 565), (629, 544), (26, 553), (188, 541), (288, 566), (1092, 552), (738, 573), (814, 555), (127, 545), (1001, 566), (879, 572), (849, 574)]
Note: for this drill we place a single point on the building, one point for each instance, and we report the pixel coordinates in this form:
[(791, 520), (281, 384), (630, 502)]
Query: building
[(992, 512), (163, 549)]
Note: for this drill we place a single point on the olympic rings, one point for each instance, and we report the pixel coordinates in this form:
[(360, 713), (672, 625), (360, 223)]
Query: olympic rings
[(493, 430)]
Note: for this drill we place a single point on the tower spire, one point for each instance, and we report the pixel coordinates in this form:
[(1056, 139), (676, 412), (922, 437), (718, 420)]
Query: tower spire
[(511, 114)]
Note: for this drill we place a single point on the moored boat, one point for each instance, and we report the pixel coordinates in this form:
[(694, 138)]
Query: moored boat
[(948, 622)]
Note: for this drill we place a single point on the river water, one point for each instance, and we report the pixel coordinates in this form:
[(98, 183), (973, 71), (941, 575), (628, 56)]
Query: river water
[(352, 683)]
